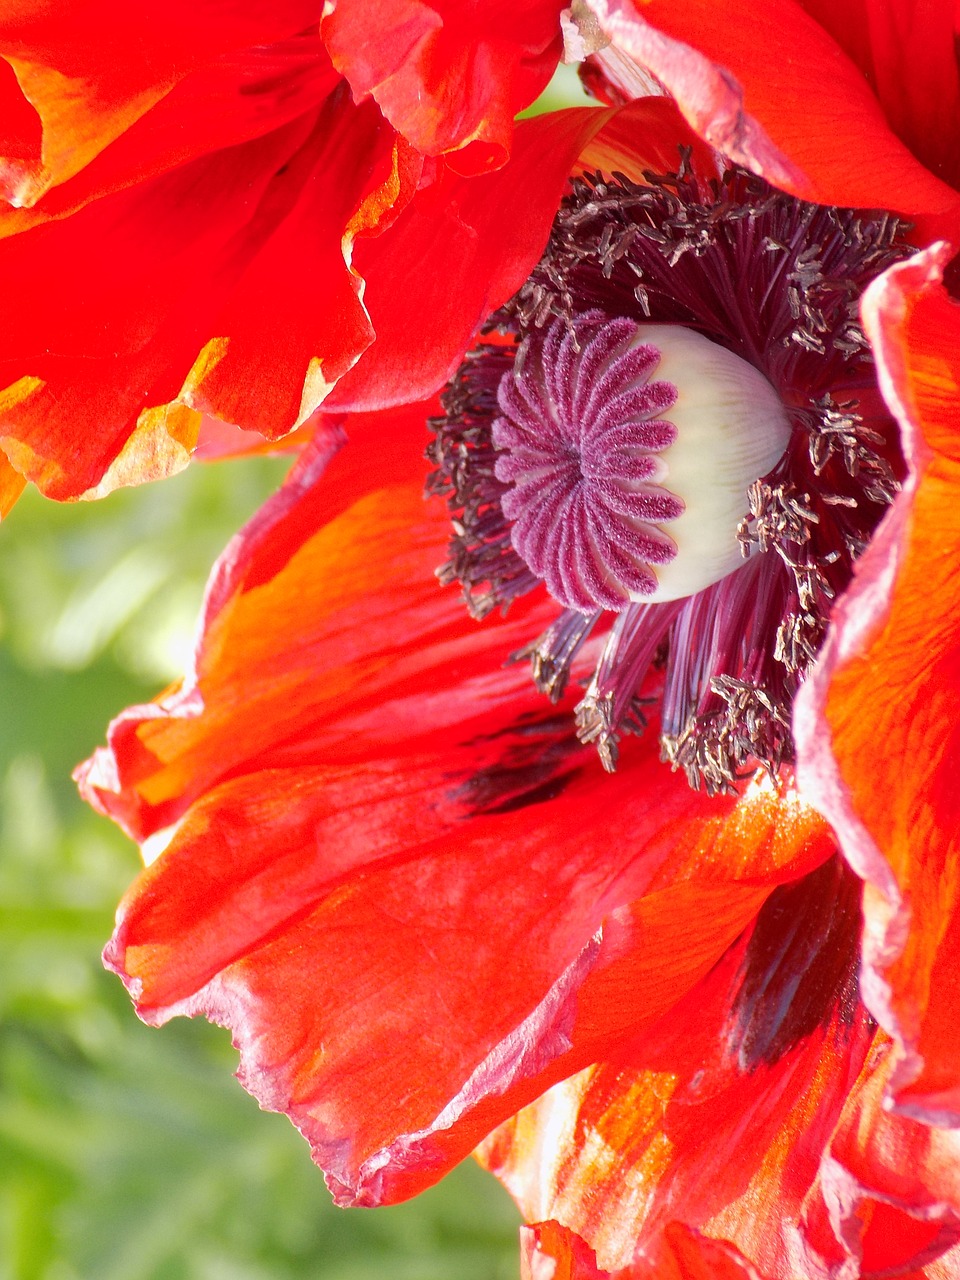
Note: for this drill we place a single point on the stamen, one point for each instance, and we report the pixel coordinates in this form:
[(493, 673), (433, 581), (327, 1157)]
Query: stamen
[(610, 706), (726, 699), (553, 653)]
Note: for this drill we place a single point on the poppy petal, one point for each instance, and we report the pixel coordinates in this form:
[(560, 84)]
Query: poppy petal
[(766, 85), (883, 1199), (84, 72), (906, 49), (292, 905), (108, 389), (218, 440), (692, 1118), (133, 356), (449, 76), (890, 1190), (235, 98), (21, 135), (165, 754), (550, 1251), (12, 484), (655, 125), (481, 236), (888, 675), (352, 773)]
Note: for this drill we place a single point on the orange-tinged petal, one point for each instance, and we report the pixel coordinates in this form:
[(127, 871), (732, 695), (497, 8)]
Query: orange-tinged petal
[(766, 85), (690, 1255), (78, 376), (449, 75), (881, 1199), (21, 134), (12, 484), (379, 827), (786, 1165), (194, 291), (321, 534), (160, 445), (691, 1120), (889, 1194), (91, 70), (550, 1251), (329, 915), (877, 726)]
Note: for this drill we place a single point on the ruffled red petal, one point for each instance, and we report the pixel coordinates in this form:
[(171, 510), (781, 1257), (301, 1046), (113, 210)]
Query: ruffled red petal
[(464, 246), (108, 388), (237, 97), (884, 1201), (448, 75), (380, 830), (877, 727), (193, 292), (457, 252), (199, 211), (85, 73), (700, 1118), (768, 86), (787, 1158), (550, 1251)]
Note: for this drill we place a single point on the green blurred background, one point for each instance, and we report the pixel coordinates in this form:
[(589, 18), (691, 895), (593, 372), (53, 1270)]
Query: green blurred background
[(128, 1153)]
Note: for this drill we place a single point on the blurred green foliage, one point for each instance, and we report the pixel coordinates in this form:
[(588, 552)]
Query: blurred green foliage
[(128, 1153), (564, 90)]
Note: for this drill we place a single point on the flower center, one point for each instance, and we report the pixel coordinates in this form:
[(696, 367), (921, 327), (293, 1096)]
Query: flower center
[(676, 428), (611, 501)]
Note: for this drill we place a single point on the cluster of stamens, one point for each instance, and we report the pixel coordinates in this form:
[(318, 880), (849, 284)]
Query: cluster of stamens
[(560, 456)]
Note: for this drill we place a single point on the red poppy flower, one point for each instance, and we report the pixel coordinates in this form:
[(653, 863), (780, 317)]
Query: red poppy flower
[(187, 186), (416, 897)]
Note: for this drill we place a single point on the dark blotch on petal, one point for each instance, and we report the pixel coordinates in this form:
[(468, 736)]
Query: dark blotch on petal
[(802, 953), (535, 795), (533, 763)]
